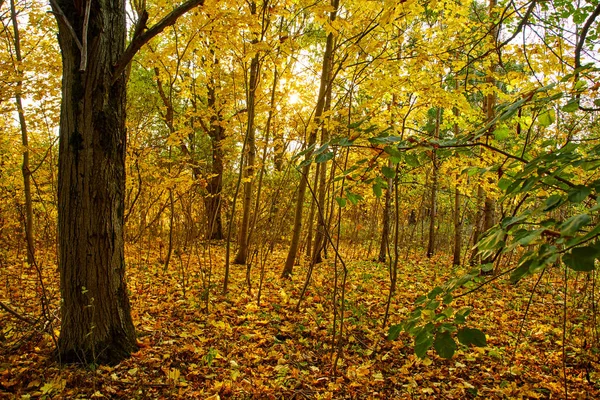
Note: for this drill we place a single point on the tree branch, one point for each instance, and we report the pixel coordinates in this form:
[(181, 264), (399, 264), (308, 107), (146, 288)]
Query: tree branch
[(583, 35), (84, 38), (142, 38), (60, 15), (15, 314)]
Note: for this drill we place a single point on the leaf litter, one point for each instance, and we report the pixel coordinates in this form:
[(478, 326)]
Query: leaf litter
[(240, 350)]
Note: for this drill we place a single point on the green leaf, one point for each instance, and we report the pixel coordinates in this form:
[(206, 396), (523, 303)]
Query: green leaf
[(444, 345), (353, 197), (581, 258), (492, 241), (579, 193), (471, 336), (384, 139), (504, 183), (571, 106), (447, 298), (305, 163), (580, 85), (322, 149), (502, 133), (303, 152), (341, 201), (388, 172), (394, 332), (552, 202), (411, 160), (432, 305), (524, 237), (377, 191), (546, 118), (520, 272), (434, 292), (344, 142), (392, 151), (573, 224), (324, 157), (488, 267), (508, 221), (423, 342)]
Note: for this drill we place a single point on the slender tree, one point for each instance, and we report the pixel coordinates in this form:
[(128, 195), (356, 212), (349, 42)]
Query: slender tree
[(324, 87), (24, 139), (434, 186), (252, 86)]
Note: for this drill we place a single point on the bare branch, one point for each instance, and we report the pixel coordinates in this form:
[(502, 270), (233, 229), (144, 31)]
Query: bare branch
[(84, 38), (583, 35), (138, 41), (60, 15), (15, 314)]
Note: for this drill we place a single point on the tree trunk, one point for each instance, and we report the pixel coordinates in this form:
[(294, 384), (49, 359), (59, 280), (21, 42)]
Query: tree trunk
[(387, 210), (322, 190), (478, 226), (489, 204), (311, 215), (457, 218), (242, 253), (215, 183), (24, 139), (434, 184), (96, 320), (457, 228), (212, 202), (312, 139)]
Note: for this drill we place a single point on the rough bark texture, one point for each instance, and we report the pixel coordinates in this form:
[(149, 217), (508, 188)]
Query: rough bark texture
[(96, 322), (215, 183)]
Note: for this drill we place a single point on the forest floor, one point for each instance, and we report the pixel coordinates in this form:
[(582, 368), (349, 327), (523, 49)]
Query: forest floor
[(241, 350)]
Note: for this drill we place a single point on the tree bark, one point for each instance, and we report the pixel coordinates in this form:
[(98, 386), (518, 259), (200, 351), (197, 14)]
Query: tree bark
[(215, 183), (96, 320), (457, 228), (387, 210), (457, 219), (319, 244), (24, 139), (242, 253), (434, 184), (312, 139)]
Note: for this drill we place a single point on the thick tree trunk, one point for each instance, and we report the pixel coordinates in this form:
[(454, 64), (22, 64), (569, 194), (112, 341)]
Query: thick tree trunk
[(96, 322), (212, 201), (215, 183)]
